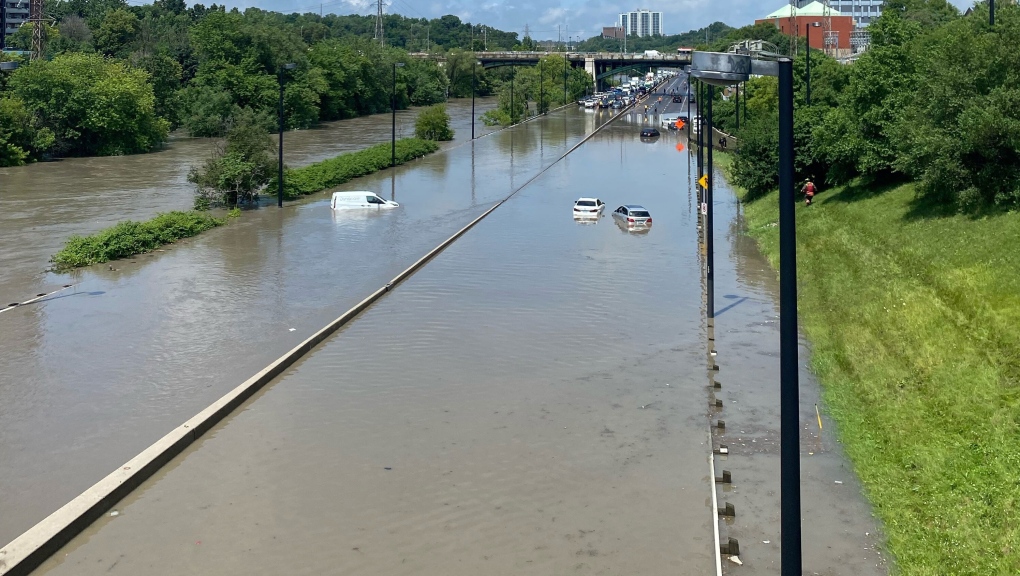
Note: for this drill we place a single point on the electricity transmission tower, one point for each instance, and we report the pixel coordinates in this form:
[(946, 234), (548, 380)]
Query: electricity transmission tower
[(829, 36), (35, 15), (378, 23), (794, 29)]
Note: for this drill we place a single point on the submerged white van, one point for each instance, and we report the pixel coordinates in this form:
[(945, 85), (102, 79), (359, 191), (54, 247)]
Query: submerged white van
[(359, 199)]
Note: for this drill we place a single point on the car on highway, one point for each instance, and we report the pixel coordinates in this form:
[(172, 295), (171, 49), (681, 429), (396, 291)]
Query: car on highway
[(632, 216), (678, 98), (649, 133), (617, 104), (588, 207)]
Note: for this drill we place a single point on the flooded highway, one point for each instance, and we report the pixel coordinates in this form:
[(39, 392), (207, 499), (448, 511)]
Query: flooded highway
[(535, 399), (91, 376), (530, 401), (42, 204)]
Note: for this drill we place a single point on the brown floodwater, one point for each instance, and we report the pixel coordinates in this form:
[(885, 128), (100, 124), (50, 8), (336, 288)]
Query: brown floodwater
[(534, 400), (92, 375), (42, 204)]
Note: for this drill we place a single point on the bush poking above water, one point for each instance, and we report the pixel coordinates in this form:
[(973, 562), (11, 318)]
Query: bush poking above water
[(433, 123), (335, 171), (129, 238)]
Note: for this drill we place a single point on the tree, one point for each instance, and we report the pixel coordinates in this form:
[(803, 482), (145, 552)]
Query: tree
[(74, 35), (165, 77), (241, 166), (118, 30), (92, 105), (433, 123), (21, 138)]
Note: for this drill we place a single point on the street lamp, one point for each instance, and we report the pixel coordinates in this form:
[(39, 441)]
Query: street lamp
[(513, 73), (393, 110), (541, 87), (723, 69), (565, 58), (474, 67), (991, 12), (280, 78), (807, 33)]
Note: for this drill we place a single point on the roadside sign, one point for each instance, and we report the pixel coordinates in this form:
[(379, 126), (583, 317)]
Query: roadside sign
[(704, 208), (680, 124), (704, 181)]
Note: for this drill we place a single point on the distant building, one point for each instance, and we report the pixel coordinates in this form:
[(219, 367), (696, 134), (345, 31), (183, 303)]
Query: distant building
[(17, 14), (862, 11), (612, 32), (641, 22), (836, 40)]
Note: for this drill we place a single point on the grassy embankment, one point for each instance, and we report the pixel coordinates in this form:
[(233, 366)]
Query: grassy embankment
[(129, 238), (914, 319)]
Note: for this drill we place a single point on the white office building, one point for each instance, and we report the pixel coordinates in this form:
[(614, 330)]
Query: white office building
[(863, 12), (641, 22)]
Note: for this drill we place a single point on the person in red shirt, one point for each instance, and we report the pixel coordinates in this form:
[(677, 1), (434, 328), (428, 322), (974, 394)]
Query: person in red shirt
[(809, 190)]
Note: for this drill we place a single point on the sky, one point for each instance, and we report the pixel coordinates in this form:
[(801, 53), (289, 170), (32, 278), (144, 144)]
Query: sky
[(584, 18)]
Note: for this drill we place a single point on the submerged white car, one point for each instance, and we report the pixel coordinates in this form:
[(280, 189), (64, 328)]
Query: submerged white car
[(588, 207), (359, 199)]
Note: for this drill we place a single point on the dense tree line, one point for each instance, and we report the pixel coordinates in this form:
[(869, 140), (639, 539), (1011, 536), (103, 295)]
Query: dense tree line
[(935, 100), (117, 78)]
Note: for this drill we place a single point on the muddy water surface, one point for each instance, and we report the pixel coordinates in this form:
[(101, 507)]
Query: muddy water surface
[(44, 203), (530, 402), (91, 376)]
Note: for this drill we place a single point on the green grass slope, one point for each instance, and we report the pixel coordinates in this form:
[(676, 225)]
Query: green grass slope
[(914, 320)]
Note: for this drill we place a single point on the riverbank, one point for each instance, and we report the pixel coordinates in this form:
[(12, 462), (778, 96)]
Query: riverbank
[(129, 238), (913, 323)]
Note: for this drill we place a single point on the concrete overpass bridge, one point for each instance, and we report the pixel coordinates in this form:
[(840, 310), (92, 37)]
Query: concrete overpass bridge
[(598, 65)]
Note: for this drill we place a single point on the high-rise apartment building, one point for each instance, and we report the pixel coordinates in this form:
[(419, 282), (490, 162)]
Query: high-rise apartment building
[(641, 22), (15, 14)]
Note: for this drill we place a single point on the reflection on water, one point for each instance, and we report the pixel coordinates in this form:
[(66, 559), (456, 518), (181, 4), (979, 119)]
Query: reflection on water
[(86, 382)]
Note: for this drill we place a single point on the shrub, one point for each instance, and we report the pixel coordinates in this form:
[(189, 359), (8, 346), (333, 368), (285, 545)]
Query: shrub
[(335, 171), (241, 167), (128, 238), (433, 123)]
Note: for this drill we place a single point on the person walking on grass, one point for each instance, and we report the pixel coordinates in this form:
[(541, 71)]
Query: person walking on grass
[(809, 190)]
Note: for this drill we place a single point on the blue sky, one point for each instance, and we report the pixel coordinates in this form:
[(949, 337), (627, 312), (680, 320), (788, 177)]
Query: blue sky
[(584, 17)]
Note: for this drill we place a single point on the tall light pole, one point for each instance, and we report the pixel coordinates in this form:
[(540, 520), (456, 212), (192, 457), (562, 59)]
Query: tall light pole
[(808, 34), (724, 69), (393, 110), (710, 216), (565, 54), (789, 384), (279, 181), (474, 67), (513, 72), (541, 87), (991, 12)]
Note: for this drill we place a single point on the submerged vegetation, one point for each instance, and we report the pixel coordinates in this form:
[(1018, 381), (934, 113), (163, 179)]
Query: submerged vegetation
[(129, 238), (335, 171)]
